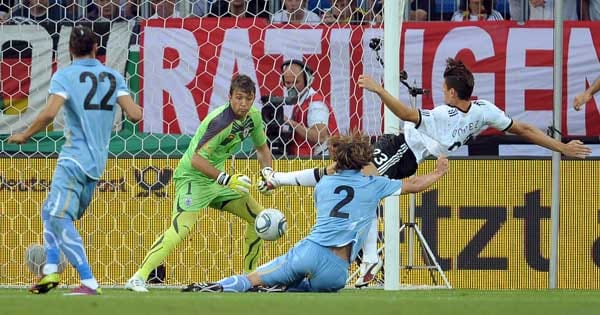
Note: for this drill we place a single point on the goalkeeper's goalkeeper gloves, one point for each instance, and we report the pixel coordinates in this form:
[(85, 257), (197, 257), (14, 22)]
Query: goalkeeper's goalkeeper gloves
[(267, 184), (238, 182)]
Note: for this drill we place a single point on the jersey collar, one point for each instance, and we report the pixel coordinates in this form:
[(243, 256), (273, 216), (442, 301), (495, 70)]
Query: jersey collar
[(86, 62)]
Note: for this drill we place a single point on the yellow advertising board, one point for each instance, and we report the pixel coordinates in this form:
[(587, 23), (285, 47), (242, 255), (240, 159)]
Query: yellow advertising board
[(487, 221)]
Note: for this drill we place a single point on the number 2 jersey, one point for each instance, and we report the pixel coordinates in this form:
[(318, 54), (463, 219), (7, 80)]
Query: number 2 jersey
[(346, 204), (90, 90), (445, 128)]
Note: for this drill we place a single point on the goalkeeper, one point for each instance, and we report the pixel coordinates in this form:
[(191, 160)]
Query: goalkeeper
[(200, 181)]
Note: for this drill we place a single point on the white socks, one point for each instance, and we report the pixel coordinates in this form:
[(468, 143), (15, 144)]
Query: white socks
[(370, 246), (50, 268), (90, 283), (308, 177)]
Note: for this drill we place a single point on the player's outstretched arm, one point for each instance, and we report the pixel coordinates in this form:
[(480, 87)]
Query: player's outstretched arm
[(399, 109), (417, 184), (238, 182), (586, 96), (132, 110), (55, 102), (574, 148)]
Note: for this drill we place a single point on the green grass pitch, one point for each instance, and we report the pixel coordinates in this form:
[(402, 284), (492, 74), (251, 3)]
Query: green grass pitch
[(365, 302)]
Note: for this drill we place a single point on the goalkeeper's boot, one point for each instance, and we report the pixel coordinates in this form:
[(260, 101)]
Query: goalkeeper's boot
[(136, 284), (203, 287), (45, 284), (368, 273), (83, 290)]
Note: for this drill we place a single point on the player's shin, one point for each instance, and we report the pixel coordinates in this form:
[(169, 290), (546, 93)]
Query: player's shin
[(370, 246), (72, 245), (247, 209), (236, 284), (181, 225), (51, 248)]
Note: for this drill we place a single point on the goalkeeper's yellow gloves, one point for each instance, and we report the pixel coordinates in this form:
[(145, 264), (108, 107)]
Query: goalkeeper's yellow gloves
[(238, 182), (267, 184)]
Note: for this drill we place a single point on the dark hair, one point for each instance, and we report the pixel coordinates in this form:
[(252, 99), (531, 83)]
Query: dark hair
[(488, 6), (82, 41), (459, 78), (242, 83), (351, 152)]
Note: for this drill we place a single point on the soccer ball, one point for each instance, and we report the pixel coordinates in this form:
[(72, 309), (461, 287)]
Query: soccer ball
[(270, 224), (35, 259)]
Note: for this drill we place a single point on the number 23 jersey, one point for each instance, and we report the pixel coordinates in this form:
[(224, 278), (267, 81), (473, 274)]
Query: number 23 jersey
[(445, 128)]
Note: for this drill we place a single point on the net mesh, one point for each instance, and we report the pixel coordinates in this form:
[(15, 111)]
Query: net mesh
[(179, 69)]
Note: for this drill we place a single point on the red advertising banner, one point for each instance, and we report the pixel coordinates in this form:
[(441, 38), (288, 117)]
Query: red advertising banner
[(187, 65)]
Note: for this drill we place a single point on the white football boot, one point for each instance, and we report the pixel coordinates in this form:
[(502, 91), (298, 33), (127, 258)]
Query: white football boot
[(136, 284)]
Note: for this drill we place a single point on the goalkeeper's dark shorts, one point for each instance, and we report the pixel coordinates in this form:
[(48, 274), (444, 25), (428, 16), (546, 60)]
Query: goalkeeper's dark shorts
[(393, 158)]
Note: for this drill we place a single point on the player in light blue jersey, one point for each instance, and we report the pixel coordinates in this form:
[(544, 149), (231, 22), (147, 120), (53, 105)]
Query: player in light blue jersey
[(89, 92), (345, 203)]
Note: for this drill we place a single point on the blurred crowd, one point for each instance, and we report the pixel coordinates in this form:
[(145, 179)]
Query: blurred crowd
[(290, 11)]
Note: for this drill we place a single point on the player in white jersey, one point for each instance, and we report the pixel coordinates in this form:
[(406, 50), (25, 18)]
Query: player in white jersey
[(428, 133), (346, 205), (88, 92)]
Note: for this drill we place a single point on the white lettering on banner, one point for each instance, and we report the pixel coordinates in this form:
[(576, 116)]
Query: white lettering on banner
[(520, 77), (582, 67), (413, 63), (339, 55), (371, 118), (173, 80), (236, 49), (293, 43), (41, 70), (480, 43)]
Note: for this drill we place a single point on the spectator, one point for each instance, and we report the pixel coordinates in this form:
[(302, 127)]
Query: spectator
[(312, 119), (419, 10), (164, 9), (295, 12), (476, 10), (544, 9), (72, 11), (238, 8), (5, 7), (104, 11), (344, 11), (590, 10), (130, 9), (516, 10), (36, 11), (201, 8)]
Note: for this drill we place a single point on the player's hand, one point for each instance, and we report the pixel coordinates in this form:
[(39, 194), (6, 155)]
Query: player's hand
[(365, 81), (576, 148), (238, 182), (581, 99), (442, 165), (267, 183), (18, 138)]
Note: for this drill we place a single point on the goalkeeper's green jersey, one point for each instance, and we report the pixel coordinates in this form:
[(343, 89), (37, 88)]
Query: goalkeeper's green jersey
[(218, 137)]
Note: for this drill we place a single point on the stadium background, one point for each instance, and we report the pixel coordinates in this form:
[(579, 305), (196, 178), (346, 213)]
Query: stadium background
[(488, 221)]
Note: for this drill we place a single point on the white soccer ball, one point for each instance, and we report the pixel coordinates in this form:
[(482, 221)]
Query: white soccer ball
[(270, 224), (35, 259)]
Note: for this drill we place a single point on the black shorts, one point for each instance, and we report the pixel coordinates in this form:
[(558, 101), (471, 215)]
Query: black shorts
[(393, 158)]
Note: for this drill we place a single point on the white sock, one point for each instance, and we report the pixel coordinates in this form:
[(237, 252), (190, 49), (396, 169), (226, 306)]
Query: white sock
[(50, 268), (370, 246), (308, 177), (90, 283)]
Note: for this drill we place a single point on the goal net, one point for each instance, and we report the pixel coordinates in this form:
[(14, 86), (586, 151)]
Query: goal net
[(179, 71)]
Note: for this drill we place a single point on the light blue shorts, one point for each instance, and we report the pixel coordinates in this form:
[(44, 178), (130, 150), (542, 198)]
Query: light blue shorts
[(322, 269), (71, 191)]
